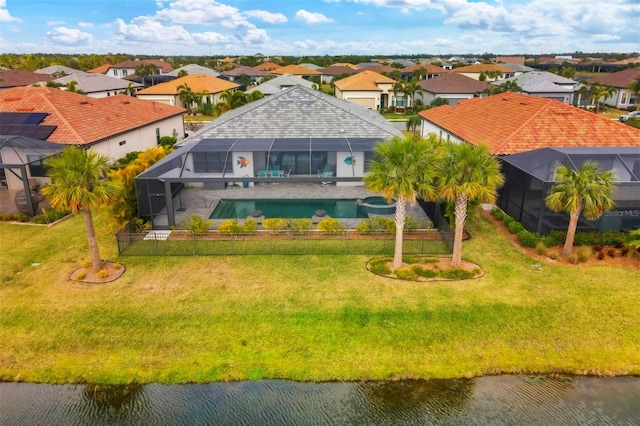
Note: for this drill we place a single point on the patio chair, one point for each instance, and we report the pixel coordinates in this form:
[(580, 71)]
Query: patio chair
[(262, 174), (285, 173), (326, 175)]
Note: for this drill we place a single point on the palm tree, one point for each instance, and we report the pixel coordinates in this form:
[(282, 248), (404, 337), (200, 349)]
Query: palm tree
[(585, 191), (600, 92), (634, 86), (186, 95), (129, 90), (413, 122), (399, 87), (510, 86), (72, 87), (142, 70), (411, 88), (467, 173), (404, 172), (78, 182)]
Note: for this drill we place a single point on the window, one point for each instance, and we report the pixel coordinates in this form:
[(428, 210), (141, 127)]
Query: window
[(624, 98), (115, 72), (122, 143), (36, 168), (124, 73), (158, 135), (211, 162)]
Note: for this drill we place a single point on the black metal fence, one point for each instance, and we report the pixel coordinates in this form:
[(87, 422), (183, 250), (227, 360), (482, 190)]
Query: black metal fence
[(183, 243)]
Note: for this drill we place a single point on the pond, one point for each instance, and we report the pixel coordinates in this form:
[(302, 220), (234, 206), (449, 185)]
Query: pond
[(494, 400)]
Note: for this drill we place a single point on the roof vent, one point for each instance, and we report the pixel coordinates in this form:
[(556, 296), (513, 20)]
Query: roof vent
[(84, 102), (126, 102)]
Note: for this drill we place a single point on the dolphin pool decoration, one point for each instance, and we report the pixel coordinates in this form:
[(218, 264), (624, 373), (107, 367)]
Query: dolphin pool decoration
[(243, 162), (350, 161)]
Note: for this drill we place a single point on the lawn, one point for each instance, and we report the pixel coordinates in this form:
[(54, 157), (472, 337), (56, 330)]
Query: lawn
[(201, 319)]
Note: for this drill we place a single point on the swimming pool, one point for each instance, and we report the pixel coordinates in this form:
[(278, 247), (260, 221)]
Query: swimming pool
[(289, 208)]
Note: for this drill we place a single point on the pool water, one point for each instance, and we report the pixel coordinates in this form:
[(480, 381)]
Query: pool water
[(287, 208)]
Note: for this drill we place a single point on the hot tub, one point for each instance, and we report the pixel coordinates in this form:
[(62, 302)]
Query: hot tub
[(375, 205)]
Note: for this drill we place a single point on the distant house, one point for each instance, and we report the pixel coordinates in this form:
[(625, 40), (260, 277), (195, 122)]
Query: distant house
[(280, 83), (97, 85), (376, 68), (623, 98), (484, 72), (112, 126), (267, 66), (58, 71), (128, 68), (532, 136), (297, 70), (544, 85), (424, 71), (519, 60), (194, 69), (329, 73), (366, 88), (21, 78), (242, 73), (208, 87), (452, 87)]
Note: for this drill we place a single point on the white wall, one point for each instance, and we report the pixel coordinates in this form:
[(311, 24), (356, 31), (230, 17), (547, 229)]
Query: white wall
[(349, 170), (165, 99), (359, 94), (239, 170), (428, 127)]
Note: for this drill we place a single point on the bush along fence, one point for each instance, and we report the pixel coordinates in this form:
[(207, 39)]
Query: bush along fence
[(283, 237)]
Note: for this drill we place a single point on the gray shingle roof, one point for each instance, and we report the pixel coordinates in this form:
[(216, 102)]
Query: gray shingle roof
[(298, 112), (541, 82), (275, 85), (91, 83), (194, 69), (58, 69)]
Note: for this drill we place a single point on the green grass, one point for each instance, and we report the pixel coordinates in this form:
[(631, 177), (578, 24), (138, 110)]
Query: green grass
[(316, 317)]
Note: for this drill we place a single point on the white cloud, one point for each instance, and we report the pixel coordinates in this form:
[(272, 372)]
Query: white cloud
[(55, 23), (69, 36), (606, 37), (311, 17), (263, 15), (205, 12), (145, 29), (211, 38), (82, 24), (5, 16)]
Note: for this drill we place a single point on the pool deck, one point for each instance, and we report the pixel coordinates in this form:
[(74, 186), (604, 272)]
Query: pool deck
[(202, 202)]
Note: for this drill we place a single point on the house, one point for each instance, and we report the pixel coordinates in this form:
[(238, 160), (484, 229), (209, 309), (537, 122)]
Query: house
[(345, 64), (422, 71), (208, 87), (366, 88), (194, 69), (58, 71), (518, 69), (529, 134), (518, 60), (623, 98), (112, 126), (297, 70), (102, 69), (128, 68), (280, 83), (98, 85), (452, 87), (21, 78), (544, 85), (310, 66), (329, 73), (376, 68), (484, 72), (267, 66), (244, 75), (301, 131)]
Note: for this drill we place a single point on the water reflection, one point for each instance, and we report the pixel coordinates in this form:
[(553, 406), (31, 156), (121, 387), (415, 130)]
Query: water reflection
[(482, 401)]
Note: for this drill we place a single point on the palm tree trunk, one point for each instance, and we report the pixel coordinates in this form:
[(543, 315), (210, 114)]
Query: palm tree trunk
[(460, 211), (96, 261), (571, 233), (401, 211)]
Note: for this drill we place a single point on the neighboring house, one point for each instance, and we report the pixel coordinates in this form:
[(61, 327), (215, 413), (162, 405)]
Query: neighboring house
[(194, 69), (623, 98), (97, 85), (329, 73), (451, 86), (366, 88), (244, 75), (502, 60), (280, 83), (267, 66), (298, 130), (424, 71), (21, 78), (544, 85), (518, 68), (345, 64), (310, 66), (112, 126), (209, 88), (376, 68), (478, 71), (532, 135), (102, 69), (58, 71), (128, 68), (297, 70)]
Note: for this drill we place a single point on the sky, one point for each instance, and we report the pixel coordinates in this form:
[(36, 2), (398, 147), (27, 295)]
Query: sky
[(319, 27)]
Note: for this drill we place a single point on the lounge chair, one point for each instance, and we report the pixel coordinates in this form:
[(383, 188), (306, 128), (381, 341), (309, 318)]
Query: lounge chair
[(262, 174), (326, 175)]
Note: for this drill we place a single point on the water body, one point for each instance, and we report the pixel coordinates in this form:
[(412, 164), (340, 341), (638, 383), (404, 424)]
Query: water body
[(501, 400)]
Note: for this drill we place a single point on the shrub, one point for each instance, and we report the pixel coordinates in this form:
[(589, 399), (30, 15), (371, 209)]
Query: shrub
[(515, 227), (298, 225), (497, 213), (541, 249), (81, 275), (15, 217), (365, 227), (426, 273), (168, 141), (197, 225), (601, 255), (117, 266), (553, 256), (229, 227), (456, 274), (379, 266), (528, 239), (86, 264), (406, 274), (409, 259), (573, 258), (141, 225), (611, 252), (330, 225), (274, 223), (508, 219), (583, 254), (102, 273), (384, 224), (250, 226), (410, 223)]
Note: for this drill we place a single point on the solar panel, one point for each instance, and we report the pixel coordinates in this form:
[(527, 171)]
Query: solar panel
[(35, 118), (21, 117)]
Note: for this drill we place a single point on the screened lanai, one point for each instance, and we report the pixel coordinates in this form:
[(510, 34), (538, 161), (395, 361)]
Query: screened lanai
[(530, 175)]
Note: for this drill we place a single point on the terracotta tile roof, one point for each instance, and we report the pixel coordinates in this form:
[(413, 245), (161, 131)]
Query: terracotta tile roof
[(430, 69), (452, 83), (164, 66), (479, 68), (620, 79), (295, 70), (17, 78), (377, 68), (248, 71), (102, 69), (198, 83), (511, 123), (510, 59), (364, 80), (267, 66), (82, 120), (346, 64)]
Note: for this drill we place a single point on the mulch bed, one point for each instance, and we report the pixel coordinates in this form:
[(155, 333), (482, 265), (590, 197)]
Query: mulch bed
[(88, 275)]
